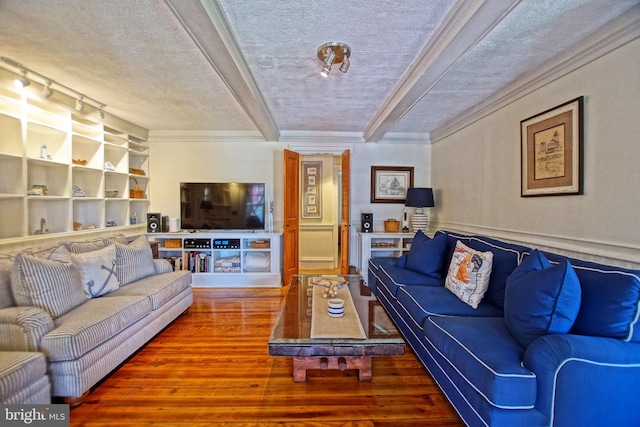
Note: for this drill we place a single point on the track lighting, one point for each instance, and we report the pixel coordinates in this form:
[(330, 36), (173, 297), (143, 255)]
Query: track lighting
[(23, 81), (47, 91), (79, 104), (332, 53)]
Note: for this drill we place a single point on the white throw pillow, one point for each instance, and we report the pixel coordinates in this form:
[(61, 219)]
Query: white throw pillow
[(98, 271), (468, 275)]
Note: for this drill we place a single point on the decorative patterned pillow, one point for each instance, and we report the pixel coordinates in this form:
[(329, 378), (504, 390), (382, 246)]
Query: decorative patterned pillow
[(469, 272), (541, 298), (98, 271), (134, 261), (53, 286)]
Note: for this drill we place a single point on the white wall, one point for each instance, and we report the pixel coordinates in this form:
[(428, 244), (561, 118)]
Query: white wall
[(188, 156), (476, 171)]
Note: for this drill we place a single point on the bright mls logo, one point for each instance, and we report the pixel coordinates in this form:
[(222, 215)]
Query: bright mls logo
[(35, 415)]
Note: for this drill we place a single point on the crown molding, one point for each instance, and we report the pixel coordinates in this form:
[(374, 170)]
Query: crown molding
[(611, 37), (204, 136), (324, 137)]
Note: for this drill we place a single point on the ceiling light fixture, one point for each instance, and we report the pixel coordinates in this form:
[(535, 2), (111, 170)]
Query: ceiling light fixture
[(47, 92), (79, 104), (23, 81), (82, 100), (333, 53)]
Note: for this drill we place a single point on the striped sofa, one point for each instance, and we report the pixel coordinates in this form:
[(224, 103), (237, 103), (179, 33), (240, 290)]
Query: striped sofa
[(85, 307)]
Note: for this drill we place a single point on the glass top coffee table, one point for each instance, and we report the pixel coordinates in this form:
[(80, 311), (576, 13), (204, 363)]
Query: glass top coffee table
[(291, 335)]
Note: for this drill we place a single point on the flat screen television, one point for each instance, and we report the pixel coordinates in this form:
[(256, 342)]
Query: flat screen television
[(222, 206)]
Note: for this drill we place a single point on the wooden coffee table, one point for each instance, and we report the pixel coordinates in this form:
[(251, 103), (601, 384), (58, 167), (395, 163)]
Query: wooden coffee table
[(291, 334)]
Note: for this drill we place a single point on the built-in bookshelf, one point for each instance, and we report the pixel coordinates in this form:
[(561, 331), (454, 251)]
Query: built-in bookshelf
[(64, 173), (221, 259)]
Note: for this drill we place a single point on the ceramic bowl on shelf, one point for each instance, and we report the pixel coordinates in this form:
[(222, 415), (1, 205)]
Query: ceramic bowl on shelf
[(111, 193)]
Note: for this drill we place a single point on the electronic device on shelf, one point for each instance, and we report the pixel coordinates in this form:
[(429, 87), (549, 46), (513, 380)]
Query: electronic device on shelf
[(197, 243), (226, 243)]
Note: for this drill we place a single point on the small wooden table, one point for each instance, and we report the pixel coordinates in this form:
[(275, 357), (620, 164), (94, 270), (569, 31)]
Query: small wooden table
[(291, 334)]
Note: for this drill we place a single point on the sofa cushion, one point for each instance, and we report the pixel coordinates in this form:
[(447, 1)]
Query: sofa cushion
[(610, 305), (482, 352), (91, 324), (159, 288), (426, 255), (19, 370), (420, 302), (469, 272), (6, 295), (541, 299), (53, 286), (134, 261), (392, 278)]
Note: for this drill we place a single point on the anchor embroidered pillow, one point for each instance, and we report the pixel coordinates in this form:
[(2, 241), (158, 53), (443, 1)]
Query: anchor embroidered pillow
[(98, 270)]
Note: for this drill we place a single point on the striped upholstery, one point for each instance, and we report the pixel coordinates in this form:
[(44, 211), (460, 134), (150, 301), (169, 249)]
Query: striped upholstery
[(134, 261), (159, 288), (23, 378), (51, 285), (22, 328), (162, 266), (6, 296), (92, 324)]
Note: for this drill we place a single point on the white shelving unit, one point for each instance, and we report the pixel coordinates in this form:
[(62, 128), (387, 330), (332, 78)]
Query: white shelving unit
[(75, 155), (225, 259), (371, 245)]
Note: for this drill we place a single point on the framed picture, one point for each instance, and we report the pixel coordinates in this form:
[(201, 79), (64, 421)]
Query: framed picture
[(389, 184), (551, 151), (380, 325), (311, 189)]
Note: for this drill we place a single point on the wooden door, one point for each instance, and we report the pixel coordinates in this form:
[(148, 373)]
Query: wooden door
[(345, 222), (291, 214)]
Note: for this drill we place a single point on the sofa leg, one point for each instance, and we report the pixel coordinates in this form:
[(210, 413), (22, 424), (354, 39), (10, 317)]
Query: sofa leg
[(76, 401)]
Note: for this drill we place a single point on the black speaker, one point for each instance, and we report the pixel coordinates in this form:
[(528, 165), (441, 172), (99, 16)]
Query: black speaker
[(165, 224), (367, 222), (153, 223)]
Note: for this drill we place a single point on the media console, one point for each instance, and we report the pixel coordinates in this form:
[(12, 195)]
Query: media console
[(224, 259)]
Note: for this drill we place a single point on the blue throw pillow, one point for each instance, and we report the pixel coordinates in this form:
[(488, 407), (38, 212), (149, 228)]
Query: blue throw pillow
[(426, 255), (541, 298)]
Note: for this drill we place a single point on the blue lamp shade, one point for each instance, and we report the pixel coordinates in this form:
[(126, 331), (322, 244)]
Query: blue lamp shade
[(420, 198)]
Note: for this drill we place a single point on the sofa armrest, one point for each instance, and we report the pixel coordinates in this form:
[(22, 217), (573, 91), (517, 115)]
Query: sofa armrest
[(22, 328), (162, 266), (585, 380)]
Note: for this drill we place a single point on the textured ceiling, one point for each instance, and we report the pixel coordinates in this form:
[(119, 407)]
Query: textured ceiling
[(251, 66)]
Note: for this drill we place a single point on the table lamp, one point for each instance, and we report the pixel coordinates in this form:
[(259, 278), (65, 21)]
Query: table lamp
[(419, 198)]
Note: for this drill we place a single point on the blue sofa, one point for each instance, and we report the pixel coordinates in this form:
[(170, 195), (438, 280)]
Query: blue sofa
[(554, 341)]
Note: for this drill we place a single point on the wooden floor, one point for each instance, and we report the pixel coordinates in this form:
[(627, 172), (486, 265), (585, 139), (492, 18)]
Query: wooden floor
[(211, 368)]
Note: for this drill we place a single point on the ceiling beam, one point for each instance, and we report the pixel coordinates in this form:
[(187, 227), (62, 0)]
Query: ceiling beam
[(467, 23), (205, 23)]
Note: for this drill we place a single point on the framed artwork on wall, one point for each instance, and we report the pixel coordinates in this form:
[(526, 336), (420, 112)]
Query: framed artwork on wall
[(389, 184), (311, 189), (551, 151)]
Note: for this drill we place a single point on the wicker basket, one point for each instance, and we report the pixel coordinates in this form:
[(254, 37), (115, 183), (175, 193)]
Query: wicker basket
[(391, 225), (136, 193), (259, 244), (173, 243)]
